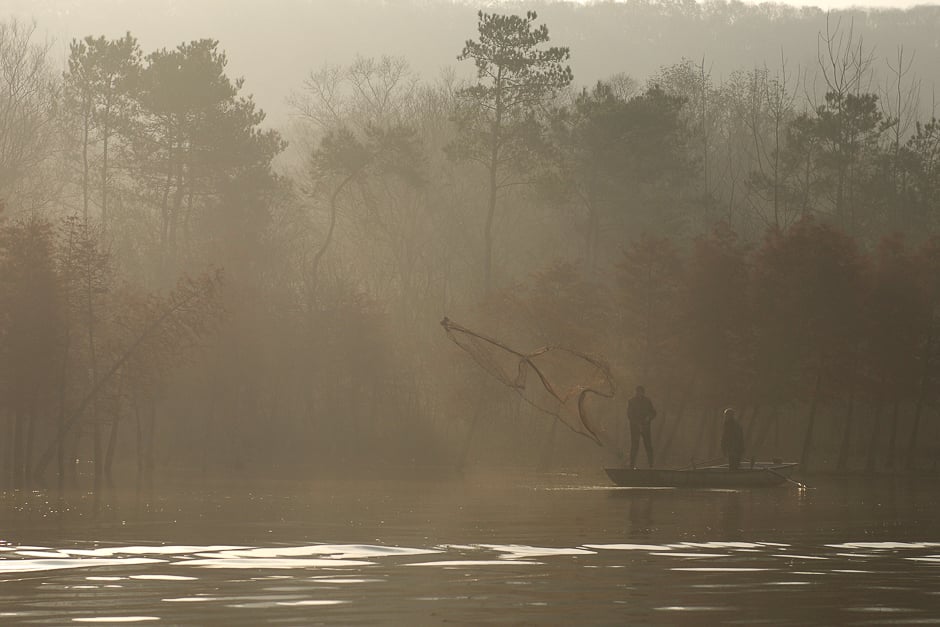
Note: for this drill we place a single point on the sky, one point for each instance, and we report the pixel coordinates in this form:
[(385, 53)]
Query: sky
[(837, 4), (274, 45)]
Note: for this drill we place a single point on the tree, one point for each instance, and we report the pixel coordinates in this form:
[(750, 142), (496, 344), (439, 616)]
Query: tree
[(714, 317), (897, 316), (368, 91), (28, 118), (625, 162), (496, 116), (155, 331), (693, 83), (809, 290), (343, 159), (197, 133), (920, 169), (770, 119), (31, 334), (100, 88), (650, 283)]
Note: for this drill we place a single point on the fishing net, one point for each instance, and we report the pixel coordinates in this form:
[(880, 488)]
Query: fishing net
[(557, 381)]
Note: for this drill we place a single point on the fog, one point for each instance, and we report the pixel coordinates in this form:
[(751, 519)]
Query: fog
[(231, 232)]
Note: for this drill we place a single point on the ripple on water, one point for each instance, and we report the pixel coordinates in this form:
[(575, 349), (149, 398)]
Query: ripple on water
[(884, 545), (788, 583), (52, 554), (630, 547), (281, 563), (929, 559), (894, 620), (718, 545), (30, 565), (333, 551), (688, 555), (455, 563), (115, 619), (147, 550), (344, 580), (882, 609), (693, 608), (717, 569), (521, 551)]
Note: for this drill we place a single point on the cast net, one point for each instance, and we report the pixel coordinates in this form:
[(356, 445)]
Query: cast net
[(558, 381)]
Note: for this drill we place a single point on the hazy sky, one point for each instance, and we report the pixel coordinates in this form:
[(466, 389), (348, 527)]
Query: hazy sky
[(835, 4), (274, 45), (838, 4)]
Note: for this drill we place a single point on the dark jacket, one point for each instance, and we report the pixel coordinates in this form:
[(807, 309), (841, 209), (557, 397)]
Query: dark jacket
[(640, 408), (732, 438)]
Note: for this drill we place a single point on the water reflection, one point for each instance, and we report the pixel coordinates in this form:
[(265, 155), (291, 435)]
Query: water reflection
[(731, 517), (391, 553)]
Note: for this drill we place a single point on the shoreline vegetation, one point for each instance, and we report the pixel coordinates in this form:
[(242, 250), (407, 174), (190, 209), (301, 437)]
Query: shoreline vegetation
[(174, 297)]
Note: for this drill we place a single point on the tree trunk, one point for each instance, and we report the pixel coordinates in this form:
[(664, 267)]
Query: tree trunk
[(680, 412), (893, 440), (99, 461), (60, 457), (28, 453), (465, 453), (548, 451), (843, 461), (703, 429), (757, 433), (494, 187), (752, 428), (85, 123), (18, 450), (6, 478), (140, 445), (72, 451), (112, 448), (919, 407), (811, 423), (875, 435), (488, 230), (105, 140), (149, 462)]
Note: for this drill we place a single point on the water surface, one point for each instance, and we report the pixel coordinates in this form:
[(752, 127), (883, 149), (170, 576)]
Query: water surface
[(500, 549)]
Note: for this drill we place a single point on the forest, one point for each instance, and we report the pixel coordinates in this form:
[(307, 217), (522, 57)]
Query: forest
[(178, 299)]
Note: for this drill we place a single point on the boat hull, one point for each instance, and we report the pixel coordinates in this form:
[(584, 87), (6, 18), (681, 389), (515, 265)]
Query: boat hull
[(712, 477)]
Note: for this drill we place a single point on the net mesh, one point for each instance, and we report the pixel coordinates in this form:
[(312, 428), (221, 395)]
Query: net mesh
[(558, 381)]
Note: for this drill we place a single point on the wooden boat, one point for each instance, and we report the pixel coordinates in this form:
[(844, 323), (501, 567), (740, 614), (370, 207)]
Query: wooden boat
[(758, 475)]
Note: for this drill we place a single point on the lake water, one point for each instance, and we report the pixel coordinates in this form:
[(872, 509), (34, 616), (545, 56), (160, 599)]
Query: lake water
[(484, 549)]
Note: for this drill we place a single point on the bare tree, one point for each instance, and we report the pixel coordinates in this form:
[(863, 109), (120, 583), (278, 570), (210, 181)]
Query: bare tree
[(28, 92)]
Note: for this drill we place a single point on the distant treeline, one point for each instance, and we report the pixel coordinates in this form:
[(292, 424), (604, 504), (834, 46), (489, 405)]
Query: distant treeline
[(743, 241)]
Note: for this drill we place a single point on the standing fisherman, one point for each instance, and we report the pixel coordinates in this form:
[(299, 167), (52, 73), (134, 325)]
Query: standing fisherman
[(640, 412)]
